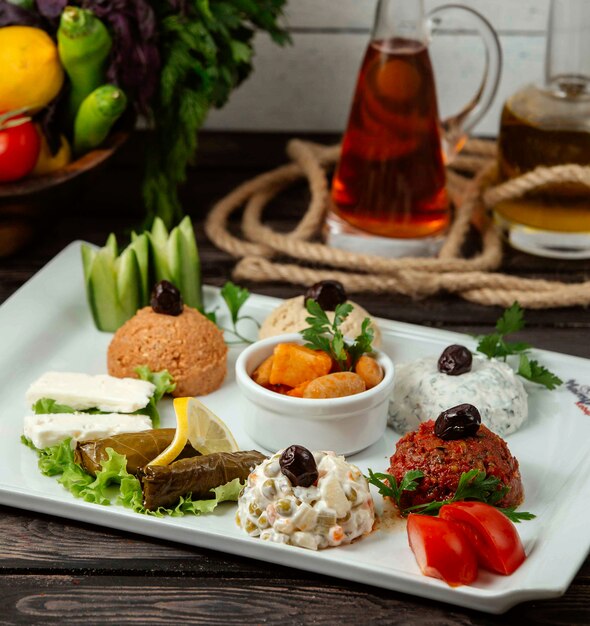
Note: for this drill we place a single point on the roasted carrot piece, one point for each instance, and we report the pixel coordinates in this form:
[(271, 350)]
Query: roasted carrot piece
[(369, 370), (297, 392), (261, 374), (335, 385), (294, 364)]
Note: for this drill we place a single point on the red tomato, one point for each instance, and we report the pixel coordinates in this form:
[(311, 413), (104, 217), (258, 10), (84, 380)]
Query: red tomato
[(492, 535), (442, 550), (19, 149)]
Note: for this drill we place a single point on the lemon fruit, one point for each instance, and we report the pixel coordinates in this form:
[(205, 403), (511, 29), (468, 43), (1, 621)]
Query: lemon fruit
[(206, 432), (196, 423), (31, 74), (47, 162)]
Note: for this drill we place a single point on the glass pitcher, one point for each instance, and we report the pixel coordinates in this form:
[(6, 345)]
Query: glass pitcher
[(546, 125), (388, 191)]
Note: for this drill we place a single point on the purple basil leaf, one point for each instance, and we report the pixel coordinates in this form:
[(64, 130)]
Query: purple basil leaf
[(134, 62), (51, 9), (13, 15)]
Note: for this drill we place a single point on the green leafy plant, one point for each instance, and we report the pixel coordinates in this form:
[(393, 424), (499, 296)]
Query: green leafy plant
[(328, 337), (495, 345), (473, 485), (206, 51)]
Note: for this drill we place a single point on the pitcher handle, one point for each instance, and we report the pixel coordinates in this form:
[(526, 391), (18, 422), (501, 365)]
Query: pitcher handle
[(455, 129)]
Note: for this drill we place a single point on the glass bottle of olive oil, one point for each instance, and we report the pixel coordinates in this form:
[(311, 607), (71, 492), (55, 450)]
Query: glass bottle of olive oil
[(550, 125)]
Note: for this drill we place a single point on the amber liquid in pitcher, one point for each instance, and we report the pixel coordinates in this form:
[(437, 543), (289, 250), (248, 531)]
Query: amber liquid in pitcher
[(534, 133), (390, 180)]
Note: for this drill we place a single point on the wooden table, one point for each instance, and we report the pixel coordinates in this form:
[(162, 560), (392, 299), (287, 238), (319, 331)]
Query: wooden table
[(53, 570)]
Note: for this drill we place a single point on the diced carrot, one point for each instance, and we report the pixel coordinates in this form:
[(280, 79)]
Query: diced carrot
[(335, 385), (294, 364), (261, 374), (369, 370), (297, 392)]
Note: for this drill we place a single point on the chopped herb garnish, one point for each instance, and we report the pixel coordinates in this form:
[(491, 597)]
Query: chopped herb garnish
[(328, 337), (495, 345), (234, 297), (473, 485)]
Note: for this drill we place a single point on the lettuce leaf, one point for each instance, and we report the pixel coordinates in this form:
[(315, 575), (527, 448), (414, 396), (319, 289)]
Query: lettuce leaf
[(164, 384), (114, 480), (44, 406)]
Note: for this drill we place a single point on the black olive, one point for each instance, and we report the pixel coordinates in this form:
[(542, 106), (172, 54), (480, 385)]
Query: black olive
[(166, 299), (455, 360), (327, 293), (299, 466), (458, 422)]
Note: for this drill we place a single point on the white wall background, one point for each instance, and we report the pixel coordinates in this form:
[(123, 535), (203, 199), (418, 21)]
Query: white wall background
[(308, 86)]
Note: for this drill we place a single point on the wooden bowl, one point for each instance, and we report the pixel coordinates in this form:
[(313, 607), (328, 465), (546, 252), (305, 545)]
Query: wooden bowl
[(22, 201)]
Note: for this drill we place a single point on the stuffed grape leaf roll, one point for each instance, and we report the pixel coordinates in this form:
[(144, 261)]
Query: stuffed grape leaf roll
[(139, 449), (163, 485)]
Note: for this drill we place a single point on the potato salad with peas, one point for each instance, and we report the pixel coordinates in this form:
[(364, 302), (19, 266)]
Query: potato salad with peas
[(309, 499)]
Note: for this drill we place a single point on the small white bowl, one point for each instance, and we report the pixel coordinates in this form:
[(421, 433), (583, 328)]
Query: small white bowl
[(344, 425)]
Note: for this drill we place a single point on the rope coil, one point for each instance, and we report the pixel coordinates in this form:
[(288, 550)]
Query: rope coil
[(473, 279)]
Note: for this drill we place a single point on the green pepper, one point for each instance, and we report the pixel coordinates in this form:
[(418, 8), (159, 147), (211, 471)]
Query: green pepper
[(84, 44), (96, 116)]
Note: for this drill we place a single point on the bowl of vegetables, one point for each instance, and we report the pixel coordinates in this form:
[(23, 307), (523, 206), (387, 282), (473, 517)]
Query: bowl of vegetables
[(330, 410)]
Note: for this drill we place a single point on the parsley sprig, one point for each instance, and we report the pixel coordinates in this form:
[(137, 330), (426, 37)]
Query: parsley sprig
[(473, 485), (495, 345), (234, 297), (327, 336)]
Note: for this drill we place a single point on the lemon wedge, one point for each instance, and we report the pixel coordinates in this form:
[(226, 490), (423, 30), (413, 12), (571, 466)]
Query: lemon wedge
[(206, 432), (180, 436), (197, 424)]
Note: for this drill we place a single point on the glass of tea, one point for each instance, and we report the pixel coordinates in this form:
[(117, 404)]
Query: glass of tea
[(388, 191), (548, 125)]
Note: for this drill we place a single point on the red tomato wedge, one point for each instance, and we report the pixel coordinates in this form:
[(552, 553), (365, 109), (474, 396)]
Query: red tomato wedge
[(492, 535), (442, 550)]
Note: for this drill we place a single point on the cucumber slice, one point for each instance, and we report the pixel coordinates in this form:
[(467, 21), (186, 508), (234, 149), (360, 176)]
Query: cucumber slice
[(141, 246), (102, 292), (185, 266), (88, 255), (159, 240), (111, 246), (129, 287)]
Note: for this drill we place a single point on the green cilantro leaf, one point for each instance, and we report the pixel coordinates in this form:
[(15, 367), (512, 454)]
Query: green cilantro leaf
[(388, 487), (321, 334), (495, 346), (516, 516), (535, 372), (234, 297), (473, 485), (511, 321)]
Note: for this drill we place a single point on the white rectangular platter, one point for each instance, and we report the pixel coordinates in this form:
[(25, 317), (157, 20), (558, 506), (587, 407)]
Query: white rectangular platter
[(46, 325)]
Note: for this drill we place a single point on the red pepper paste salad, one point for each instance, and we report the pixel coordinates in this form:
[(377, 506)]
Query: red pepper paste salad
[(443, 462)]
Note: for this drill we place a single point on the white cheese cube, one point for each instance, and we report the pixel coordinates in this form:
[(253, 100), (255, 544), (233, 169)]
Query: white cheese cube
[(83, 391), (52, 429)]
